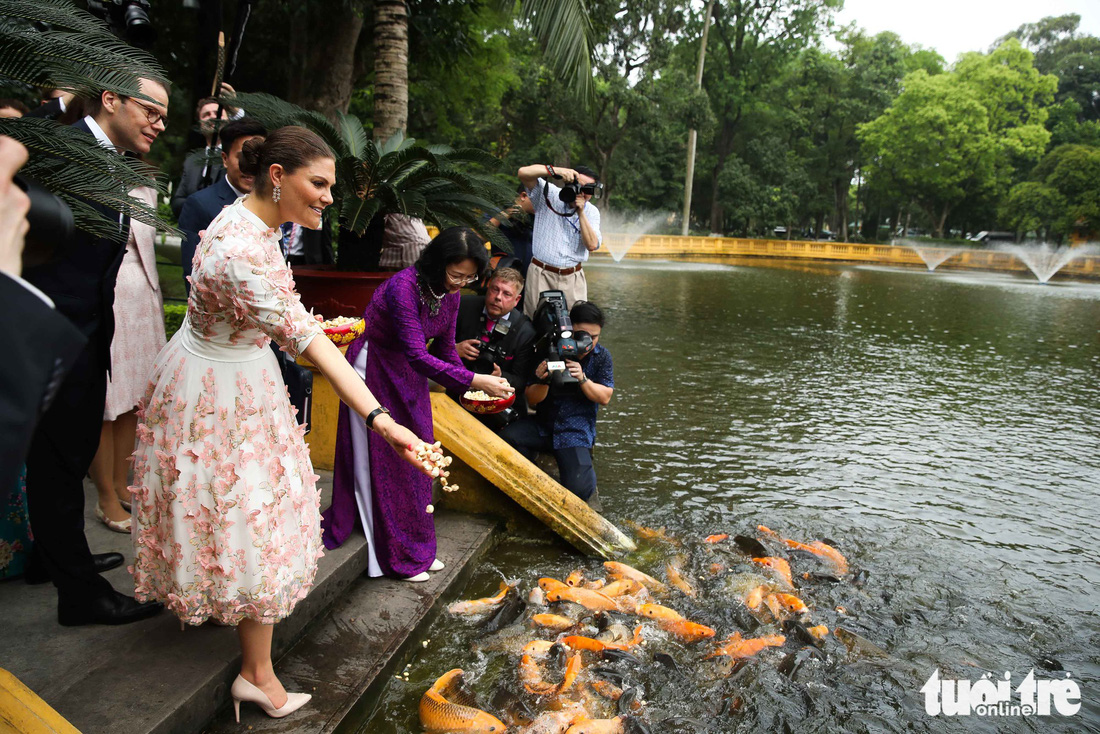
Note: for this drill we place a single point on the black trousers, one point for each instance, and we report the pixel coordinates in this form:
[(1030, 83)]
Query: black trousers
[(61, 452), (574, 463)]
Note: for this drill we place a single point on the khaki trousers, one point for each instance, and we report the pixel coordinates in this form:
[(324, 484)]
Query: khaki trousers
[(574, 285)]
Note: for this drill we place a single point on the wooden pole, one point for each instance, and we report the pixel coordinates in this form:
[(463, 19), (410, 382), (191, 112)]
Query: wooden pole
[(693, 134)]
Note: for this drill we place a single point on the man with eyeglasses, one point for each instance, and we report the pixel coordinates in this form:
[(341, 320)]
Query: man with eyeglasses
[(564, 233), (80, 281)]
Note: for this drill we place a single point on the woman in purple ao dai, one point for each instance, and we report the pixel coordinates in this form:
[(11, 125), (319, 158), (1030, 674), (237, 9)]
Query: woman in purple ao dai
[(372, 489)]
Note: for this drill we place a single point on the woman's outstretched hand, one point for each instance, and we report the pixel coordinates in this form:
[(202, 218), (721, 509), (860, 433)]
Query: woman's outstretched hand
[(406, 443), (498, 387)]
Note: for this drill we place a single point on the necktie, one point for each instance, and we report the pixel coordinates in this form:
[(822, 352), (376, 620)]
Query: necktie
[(284, 241)]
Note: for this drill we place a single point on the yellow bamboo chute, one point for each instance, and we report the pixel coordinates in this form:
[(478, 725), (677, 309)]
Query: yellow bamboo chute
[(559, 509)]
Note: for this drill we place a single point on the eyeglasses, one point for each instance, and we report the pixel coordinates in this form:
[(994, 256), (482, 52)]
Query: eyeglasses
[(151, 113), (460, 279)]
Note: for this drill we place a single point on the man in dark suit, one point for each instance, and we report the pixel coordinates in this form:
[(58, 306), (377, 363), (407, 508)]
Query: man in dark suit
[(199, 171), (201, 207), (493, 337), (41, 343), (80, 280)]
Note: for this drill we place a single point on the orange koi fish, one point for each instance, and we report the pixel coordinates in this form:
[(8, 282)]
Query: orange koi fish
[(674, 572), (820, 632), (575, 579), (686, 631), (792, 604), (618, 570), (754, 598), (590, 644), (548, 584), (594, 600), (438, 714), (477, 606), (554, 622), (556, 722), (656, 611), (531, 677), (716, 538), (834, 557), (621, 587), (598, 726), (779, 567), (737, 647)]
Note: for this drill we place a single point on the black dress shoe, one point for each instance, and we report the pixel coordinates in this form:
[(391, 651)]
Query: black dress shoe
[(112, 608), (36, 574), (106, 561)]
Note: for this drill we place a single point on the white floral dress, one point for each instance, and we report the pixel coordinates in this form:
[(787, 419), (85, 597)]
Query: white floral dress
[(226, 506)]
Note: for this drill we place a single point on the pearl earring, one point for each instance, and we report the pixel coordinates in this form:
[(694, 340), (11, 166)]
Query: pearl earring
[(276, 193)]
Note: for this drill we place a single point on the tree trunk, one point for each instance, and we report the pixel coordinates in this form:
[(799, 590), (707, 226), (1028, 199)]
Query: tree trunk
[(840, 194), (325, 75), (391, 68)]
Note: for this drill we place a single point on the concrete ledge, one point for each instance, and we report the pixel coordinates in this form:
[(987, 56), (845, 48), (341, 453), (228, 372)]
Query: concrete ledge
[(151, 677), (368, 634)]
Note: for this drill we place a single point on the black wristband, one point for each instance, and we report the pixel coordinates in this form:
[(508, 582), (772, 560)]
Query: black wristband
[(374, 414)]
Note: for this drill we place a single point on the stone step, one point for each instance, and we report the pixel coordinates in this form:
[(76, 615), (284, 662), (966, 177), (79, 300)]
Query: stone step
[(153, 678)]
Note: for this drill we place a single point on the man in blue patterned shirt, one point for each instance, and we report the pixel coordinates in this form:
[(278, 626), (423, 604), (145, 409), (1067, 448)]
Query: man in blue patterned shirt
[(565, 421)]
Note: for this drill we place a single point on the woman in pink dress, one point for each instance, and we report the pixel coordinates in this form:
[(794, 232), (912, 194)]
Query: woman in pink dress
[(226, 509), (139, 336)]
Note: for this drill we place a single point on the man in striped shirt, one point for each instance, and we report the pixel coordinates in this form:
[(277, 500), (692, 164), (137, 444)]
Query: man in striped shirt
[(563, 234)]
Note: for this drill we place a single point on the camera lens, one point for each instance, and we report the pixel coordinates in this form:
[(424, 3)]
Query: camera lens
[(139, 28)]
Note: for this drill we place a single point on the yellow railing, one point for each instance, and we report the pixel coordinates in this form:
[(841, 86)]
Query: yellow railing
[(675, 246)]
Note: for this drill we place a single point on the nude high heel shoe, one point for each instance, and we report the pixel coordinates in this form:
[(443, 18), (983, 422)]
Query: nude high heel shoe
[(242, 690), (119, 526)]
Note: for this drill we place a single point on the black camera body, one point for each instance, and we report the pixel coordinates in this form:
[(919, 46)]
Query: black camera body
[(128, 19), (489, 352), (557, 339), (570, 191)]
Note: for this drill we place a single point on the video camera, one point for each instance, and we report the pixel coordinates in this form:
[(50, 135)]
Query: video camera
[(127, 18), (557, 337)]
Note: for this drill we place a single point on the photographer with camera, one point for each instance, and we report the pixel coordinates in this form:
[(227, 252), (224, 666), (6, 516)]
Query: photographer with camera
[(493, 337), (570, 385), (566, 229)]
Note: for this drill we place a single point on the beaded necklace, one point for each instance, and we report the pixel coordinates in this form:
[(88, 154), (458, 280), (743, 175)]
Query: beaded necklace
[(435, 300)]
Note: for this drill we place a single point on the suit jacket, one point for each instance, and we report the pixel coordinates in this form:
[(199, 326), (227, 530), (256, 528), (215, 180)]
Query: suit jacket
[(317, 244), (197, 214), (80, 279), (518, 345), (39, 347), (192, 180)]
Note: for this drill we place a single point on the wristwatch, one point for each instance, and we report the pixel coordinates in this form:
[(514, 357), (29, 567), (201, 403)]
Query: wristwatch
[(374, 414)]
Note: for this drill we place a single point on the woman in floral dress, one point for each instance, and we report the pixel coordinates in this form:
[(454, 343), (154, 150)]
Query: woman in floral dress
[(226, 517)]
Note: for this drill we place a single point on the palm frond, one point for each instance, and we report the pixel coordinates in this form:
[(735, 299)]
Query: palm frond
[(565, 33)]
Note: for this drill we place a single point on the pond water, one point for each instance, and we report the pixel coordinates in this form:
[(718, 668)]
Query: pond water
[(942, 429)]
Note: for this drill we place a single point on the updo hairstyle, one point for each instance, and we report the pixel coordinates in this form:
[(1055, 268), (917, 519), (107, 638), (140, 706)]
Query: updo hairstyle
[(292, 147)]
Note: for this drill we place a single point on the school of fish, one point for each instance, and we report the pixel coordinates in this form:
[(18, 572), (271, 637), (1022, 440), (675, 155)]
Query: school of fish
[(570, 640)]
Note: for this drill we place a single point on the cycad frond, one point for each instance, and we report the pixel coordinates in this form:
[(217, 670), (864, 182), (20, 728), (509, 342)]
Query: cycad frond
[(72, 165), (78, 54)]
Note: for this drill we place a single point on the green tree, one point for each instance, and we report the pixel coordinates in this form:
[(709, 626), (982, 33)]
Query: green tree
[(1034, 206), (962, 138), (751, 44)]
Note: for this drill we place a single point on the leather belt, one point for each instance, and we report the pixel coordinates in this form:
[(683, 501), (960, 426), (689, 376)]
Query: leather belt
[(559, 271)]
